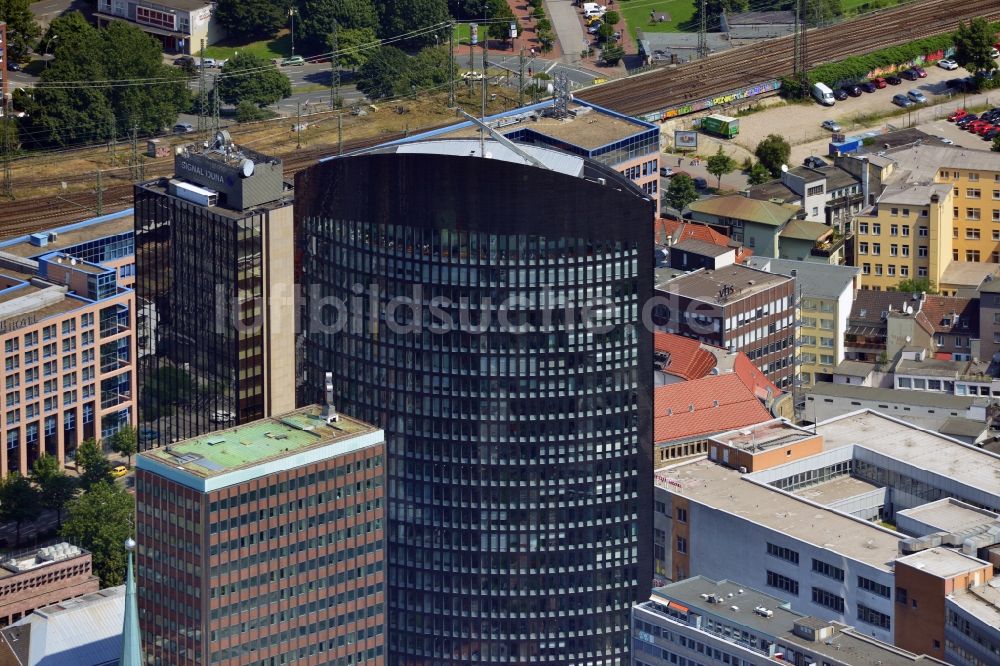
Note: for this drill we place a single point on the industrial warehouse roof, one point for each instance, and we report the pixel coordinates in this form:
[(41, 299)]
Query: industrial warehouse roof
[(942, 562), (938, 400), (70, 235), (948, 515), (739, 207), (812, 279), (982, 602)]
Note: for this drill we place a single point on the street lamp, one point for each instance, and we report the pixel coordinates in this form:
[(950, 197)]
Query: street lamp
[(45, 51), (291, 12)]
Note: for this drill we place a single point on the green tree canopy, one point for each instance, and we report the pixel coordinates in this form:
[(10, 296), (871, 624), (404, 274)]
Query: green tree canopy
[(719, 165), (611, 18), (94, 464), (681, 191), (125, 442), (500, 29), (249, 78), (397, 17), (996, 144), (62, 111), (316, 18), (386, 74), (916, 285), (356, 45), (773, 151), (758, 174), (251, 18), (973, 42), (19, 501), (100, 520), (57, 487), (612, 53), (22, 29)]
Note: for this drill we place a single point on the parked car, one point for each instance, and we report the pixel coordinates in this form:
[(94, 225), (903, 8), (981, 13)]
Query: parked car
[(985, 128), (893, 80), (831, 125), (921, 72), (183, 128), (869, 86), (957, 114), (994, 53), (902, 100), (909, 74), (184, 61), (700, 183), (945, 140), (879, 82), (992, 134), (917, 96), (593, 19), (974, 125), (666, 172), (947, 64), (853, 90), (814, 162), (293, 60), (840, 94), (594, 28), (966, 119), (473, 75), (119, 471), (12, 66), (208, 62)]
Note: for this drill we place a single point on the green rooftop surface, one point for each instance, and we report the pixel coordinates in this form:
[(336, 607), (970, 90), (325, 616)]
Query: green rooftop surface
[(254, 443)]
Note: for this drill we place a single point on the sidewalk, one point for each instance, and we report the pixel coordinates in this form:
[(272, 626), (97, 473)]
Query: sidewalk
[(526, 38)]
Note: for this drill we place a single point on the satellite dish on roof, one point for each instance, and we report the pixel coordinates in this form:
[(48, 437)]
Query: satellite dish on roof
[(223, 139), (784, 168), (246, 168)]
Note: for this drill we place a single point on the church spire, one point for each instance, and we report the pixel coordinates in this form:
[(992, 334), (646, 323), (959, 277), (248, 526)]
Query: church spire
[(131, 641)]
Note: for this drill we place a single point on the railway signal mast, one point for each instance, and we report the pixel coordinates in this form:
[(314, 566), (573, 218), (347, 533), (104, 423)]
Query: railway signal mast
[(800, 66), (703, 31)]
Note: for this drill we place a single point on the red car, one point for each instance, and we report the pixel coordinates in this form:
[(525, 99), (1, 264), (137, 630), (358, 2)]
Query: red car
[(920, 72), (984, 128), (975, 125), (879, 82), (957, 114)]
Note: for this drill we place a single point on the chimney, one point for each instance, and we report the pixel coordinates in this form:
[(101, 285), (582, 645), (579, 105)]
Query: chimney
[(329, 410)]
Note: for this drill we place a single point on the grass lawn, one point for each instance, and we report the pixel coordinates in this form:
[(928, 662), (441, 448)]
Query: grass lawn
[(278, 47), (636, 13)]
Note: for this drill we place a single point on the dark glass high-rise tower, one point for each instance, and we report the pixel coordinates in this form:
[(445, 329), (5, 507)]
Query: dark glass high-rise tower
[(445, 292)]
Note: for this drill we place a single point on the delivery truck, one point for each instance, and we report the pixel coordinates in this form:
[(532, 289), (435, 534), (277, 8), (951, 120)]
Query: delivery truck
[(723, 126)]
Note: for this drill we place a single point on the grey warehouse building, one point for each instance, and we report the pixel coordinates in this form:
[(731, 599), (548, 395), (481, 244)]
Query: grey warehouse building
[(519, 441)]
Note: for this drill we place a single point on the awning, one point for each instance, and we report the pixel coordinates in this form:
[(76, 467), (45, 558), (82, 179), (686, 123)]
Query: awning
[(677, 607)]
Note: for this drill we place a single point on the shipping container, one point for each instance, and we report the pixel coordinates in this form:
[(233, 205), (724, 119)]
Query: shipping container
[(851, 145), (723, 126)]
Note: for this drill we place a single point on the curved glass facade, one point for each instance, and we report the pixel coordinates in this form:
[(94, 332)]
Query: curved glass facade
[(517, 420)]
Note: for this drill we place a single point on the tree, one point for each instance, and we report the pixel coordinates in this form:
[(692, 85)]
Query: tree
[(428, 68), (773, 151), (250, 18), (249, 78), (397, 17), (917, 285), (385, 74), (996, 144), (100, 520), (356, 45), (681, 191), (125, 442), (316, 18), (973, 42), (18, 501), (502, 16), (605, 32), (611, 18), (612, 54), (758, 174), (719, 165), (56, 486), (22, 29), (91, 459)]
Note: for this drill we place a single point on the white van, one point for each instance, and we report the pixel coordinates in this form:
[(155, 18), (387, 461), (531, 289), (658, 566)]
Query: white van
[(593, 9), (823, 94)]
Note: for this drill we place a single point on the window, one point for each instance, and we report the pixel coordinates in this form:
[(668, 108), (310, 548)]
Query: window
[(996, 234), (972, 255), (922, 232), (894, 229), (826, 359), (876, 248), (866, 269), (901, 595), (682, 545), (894, 212), (49, 332), (906, 230), (906, 212), (873, 617), (906, 250), (827, 599), (904, 271), (862, 227), (972, 234), (682, 515), (878, 269), (783, 553), (876, 228), (827, 570), (972, 213), (954, 230), (863, 247), (826, 342), (891, 269), (996, 215), (922, 251), (973, 177), (921, 271), (996, 194), (972, 193), (783, 583), (893, 250)]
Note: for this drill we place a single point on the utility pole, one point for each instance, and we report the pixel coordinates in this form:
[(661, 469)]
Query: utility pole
[(113, 142), (451, 65), (340, 133), (100, 194), (133, 160), (473, 38), (703, 31), (334, 69), (520, 78), (298, 125), (215, 103), (486, 63), (800, 57), (6, 149), (202, 124)]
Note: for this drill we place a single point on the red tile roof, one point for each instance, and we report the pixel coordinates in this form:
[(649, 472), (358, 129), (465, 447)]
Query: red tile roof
[(754, 379), (939, 309), (681, 230), (705, 406), (686, 357)]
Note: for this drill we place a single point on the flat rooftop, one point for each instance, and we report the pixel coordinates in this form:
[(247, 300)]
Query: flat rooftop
[(914, 446), (942, 562), (68, 236), (949, 515), (722, 488), (835, 490), (846, 646), (258, 442), (29, 301), (982, 602), (704, 285), (763, 436), (161, 186), (955, 403)]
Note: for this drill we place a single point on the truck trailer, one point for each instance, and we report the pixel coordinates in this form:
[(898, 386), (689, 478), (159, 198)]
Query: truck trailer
[(719, 125)]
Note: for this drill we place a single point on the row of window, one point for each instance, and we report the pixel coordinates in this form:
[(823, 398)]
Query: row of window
[(876, 228), (972, 176), (890, 270), (895, 250)]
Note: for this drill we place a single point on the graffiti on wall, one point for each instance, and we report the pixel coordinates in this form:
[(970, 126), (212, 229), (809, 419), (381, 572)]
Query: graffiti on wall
[(708, 103), (919, 61)]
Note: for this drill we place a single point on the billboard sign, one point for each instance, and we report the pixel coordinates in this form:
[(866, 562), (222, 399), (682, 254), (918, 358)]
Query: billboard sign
[(685, 140)]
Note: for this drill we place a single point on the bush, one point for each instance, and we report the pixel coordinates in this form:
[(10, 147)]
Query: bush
[(612, 18), (248, 112), (544, 25)]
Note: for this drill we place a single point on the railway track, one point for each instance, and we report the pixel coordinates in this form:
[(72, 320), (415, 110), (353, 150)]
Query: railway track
[(748, 65)]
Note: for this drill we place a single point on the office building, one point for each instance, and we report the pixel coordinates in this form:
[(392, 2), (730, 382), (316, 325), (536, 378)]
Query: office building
[(721, 623), (43, 576), (867, 337), (215, 277), (180, 25), (972, 625), (67, 325), (84, 631), (795, 510), (628, 145), (826, 294), (735, 307), (519, 434), (262, 543)]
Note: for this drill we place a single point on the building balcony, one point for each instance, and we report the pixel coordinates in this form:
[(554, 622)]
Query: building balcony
[(831, 246)]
